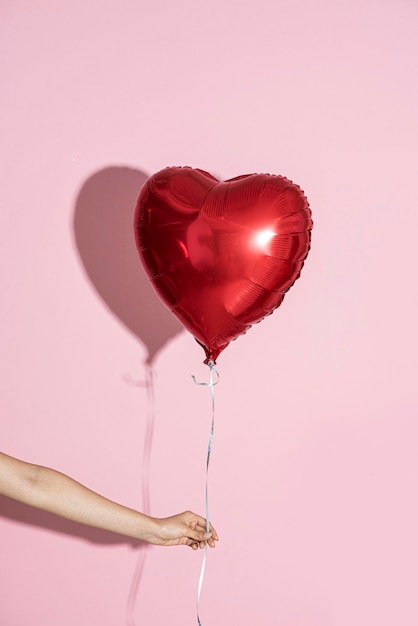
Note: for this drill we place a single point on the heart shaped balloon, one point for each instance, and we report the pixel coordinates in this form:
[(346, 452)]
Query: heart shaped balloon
[(221, 254)]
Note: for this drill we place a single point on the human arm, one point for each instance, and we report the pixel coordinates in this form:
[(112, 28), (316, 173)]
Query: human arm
[(52, 491)]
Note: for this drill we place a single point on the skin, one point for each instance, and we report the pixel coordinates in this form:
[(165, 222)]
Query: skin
[(52, 491)]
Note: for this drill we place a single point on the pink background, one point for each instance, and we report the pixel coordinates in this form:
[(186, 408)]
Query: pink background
[(313, 477)]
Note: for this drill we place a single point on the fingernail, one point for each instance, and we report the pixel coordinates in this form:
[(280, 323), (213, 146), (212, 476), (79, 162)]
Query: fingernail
[(207, 535)]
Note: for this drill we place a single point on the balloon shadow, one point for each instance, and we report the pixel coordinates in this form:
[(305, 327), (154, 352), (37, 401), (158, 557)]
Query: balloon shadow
[(103, 232)]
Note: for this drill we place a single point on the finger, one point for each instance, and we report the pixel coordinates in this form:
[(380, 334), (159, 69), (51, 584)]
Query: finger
[(197, 520), (214, 533), (200, 529), (197, 535), (211, 530), (200, 524), (187, 541)]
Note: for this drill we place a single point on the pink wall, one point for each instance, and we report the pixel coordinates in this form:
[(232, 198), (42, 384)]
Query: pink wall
[(314, 468)]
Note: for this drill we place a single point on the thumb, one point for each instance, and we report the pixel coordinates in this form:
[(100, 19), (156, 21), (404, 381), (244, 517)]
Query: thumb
[(199, 535)]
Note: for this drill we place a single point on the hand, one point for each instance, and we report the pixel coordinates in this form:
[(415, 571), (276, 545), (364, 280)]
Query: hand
[(185, 528)]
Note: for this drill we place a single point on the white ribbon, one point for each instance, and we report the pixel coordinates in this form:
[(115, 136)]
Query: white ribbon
[(211, 384)]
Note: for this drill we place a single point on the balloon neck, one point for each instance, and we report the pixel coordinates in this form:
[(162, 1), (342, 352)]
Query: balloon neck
[(212, 353)]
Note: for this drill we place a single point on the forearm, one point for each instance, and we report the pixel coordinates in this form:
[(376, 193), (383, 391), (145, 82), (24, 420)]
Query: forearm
[(57, 493), (84, 505), (88, 507)]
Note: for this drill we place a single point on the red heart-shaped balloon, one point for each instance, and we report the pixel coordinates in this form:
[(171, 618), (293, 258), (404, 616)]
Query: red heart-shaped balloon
[(221, 255)]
